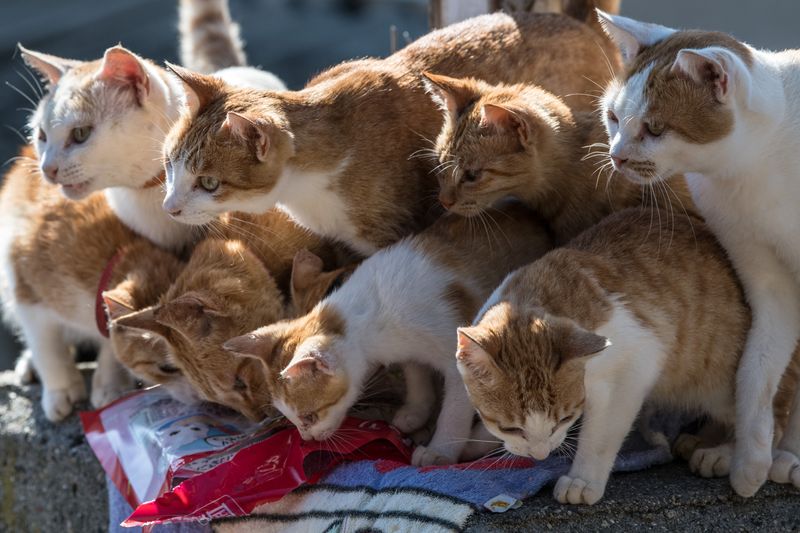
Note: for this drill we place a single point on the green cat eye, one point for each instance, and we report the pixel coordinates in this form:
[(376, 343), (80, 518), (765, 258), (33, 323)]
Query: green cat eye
[(79, 135), (208, 183)]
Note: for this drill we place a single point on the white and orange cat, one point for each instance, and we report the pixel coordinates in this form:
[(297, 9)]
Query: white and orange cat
[(400, 306), (723, 113), (101, 124), (339, 154), (626, 313)]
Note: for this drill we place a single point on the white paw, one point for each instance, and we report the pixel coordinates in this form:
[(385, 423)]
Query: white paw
[(426, 456), (410, 418), (578, 491), (58, 403), (24, 370), (685, 445), (712, 462), (749, 473), (106, 390), (785, 468)]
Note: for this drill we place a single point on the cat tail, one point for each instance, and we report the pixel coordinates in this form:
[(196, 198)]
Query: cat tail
[(209, 38)]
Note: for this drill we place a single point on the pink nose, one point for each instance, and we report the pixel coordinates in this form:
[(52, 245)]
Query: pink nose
[(50, 172), (618, 161), (447, 203)]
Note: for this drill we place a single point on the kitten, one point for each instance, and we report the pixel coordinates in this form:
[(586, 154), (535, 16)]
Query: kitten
[(54, 254), (523, 141), (225, 290), (339, 154), (101, 124), (707, 105), (633, 310), (400, 306)]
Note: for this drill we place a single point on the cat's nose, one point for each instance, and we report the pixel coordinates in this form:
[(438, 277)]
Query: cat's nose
[(618, 161), (446, 202), (50, 172)]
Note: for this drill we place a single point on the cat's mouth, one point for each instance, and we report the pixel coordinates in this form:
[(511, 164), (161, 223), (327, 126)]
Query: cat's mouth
[(75, 190)]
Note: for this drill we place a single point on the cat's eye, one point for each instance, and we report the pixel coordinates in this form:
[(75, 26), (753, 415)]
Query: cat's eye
[(654, 129), (168, 369), (239, 384), (470, 176), (42, 135), (80, 135), (208, 183), (309, 419), (512, 430), (612, 117)]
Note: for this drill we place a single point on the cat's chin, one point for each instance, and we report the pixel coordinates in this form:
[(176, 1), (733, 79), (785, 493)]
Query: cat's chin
[(77, 191)]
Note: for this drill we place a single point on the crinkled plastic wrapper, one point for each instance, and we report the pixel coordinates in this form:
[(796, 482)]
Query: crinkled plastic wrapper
[(175, 462)]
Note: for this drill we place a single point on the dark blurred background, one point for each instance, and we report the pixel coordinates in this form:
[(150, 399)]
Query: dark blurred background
[(297, 38)]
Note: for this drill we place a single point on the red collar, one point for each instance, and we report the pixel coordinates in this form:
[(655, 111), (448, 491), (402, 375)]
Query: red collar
[(100, 312), (156, 180)]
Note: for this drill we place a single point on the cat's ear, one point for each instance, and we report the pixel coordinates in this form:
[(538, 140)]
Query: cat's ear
[(122, 67), (118, 302), (145, 320), (314, 363), (631, 35), (190, 314), (50, 68), (716, 67), (577, 343), (506, 118), (306, 269), (471, 357), (251, 130), (257, 344), (452, 94), (200, 90)]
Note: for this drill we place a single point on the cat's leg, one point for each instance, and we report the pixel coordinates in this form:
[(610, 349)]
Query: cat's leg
[(24, 370), (786, 457), (712, 462), (110, 379), (710, 434), (452, 427), (774, 298), (62, 383), (419, 399), (614, 396)]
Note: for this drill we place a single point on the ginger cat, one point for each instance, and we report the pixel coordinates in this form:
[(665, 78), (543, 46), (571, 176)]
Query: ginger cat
[(339, 154), (54, 253), (225, 290), (101, 124), (400, 306), (523, 141), (707, 105), (635, 309)]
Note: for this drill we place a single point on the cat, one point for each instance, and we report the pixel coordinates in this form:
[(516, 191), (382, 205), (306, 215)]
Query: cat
[(707, 105), (400, 306), (339, 154), (225, 290), (523, 141), (55, 253), (635, 309), (101, 124)]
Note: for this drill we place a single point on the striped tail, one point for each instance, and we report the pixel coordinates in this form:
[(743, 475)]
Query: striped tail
[(209, 38)]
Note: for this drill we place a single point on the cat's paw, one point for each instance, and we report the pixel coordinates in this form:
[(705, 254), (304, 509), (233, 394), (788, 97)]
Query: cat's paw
[(58, 403), (749, 473), (712, 462), (578, 491), (785, 468), (426, 456), (685, 445), (410, 418), (105, 391), (24, 370)]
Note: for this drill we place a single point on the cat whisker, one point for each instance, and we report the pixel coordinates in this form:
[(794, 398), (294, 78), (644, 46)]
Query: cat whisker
[(21, 93)]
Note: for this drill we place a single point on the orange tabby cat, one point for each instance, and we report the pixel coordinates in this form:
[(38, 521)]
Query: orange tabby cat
[(525, 142), (338, 155), (54, 254), (633, 310)]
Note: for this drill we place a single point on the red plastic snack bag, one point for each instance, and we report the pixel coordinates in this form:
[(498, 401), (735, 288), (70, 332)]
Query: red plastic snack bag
[(200, 462)]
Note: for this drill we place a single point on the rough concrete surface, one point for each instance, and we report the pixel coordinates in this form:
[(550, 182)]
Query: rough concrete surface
[(50, 481)]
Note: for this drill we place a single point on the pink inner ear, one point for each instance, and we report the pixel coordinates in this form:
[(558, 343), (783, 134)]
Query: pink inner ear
[(121, 66), (115, 308), (299, 368), (497, 116), (237, 124)]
